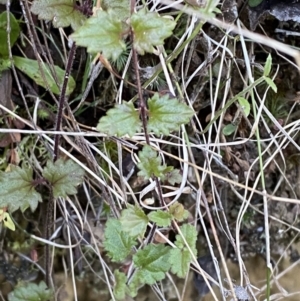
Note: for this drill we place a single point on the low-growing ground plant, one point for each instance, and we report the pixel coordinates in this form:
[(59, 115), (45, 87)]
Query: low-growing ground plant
[(144, 147)]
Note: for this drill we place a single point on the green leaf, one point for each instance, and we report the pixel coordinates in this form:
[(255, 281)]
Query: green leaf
[(31, 292), (190, 234), (121, 120), (180, 262), (120, 8), (17, 189), (4, 65), (102, 33), (166, 115), (120, 288), (228, 129), (62, 13), (268, 65), (7, 221), (152, 262), (245, 105), (150, 164), (134, 221), (64, 177), (180, 258), (271, 84), (31, 69), (13, 36), (134, 286), (253, 3), (161, 218), (150, 29), (178, 212), (117, 243), (174, 177)]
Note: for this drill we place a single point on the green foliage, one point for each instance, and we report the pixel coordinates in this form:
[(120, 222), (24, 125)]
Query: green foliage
[(161, 218), (4, 64), (119, 7), (117, 243), (17, 185), (267, 70), (271, 84), (64, 176), (150, 29), (17, 191), (124, 118), (150, 164), (102, 33), (180, 260), (245, 105), (181, 257), (7, 221), (31, 69), (43, 114), (254, 3), (134, 221), (268, 65), (14, 33), (62, 13), (178, 212), (228, 129), (31, 292), (120, 288), (134, 285), (166, 114), (174, 177), (152, 262), (190, 235)]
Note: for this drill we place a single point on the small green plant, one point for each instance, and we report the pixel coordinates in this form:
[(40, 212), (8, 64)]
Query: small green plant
[(164, 115), (152, 262), (18, 184), (30, 67), (105, 34), (31, 292)]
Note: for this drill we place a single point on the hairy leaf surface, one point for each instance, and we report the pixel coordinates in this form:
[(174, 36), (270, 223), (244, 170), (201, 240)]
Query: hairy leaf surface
[(31, 292), (150, 29), (120, 288), (17, 189), (117, 243), (166, 115), (174, 177), (152, 262), (64, 176), (190, 234), (134, 221), (180, 257), (119, 7), (178, 212), (180, 260), (62, 13), (101, 33), (121, 120), (161, 218), (150, 164)]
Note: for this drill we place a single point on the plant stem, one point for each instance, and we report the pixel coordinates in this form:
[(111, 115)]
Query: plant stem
[(62, 98)]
